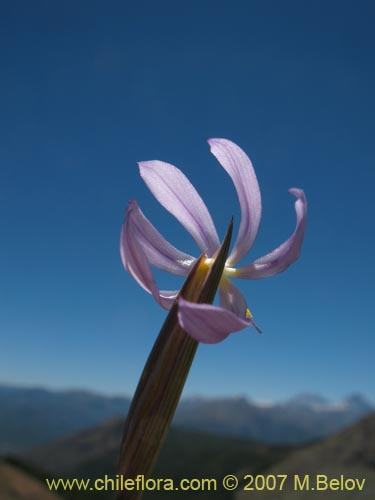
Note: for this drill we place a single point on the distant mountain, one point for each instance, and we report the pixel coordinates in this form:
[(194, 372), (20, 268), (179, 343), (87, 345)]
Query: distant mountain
[(30, 417), (186, 454), (350, 453), (304, 418), (355, 404), (307, 400)]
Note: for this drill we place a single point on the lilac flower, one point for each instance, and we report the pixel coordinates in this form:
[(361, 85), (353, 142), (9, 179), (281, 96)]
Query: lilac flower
[(142, 246)]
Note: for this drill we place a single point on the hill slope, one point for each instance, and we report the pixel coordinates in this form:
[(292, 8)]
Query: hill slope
[(16, 484), (350, 453), (186, 454)]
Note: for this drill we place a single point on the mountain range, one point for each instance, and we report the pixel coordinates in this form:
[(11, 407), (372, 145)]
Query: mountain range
[(30, 417), (303, 418), (194, 454)]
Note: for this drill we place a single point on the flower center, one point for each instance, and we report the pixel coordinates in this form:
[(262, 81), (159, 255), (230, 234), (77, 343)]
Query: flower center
[(228, 272)]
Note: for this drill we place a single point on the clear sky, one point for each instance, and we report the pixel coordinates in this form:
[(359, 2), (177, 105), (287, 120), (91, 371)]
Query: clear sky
[(89, 88)]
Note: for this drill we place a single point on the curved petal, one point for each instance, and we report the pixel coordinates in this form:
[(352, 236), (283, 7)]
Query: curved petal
[(288, 252), (167, 297), (207, 323), (176, 193), (136, 263), (239, 167), (159, 252), (232, 299)]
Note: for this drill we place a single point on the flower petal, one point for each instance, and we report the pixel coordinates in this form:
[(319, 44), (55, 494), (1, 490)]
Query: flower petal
[(288, 252), (207, 323), (167, 297), (239, 167), (232, 299), (175, 192), (137, 264), (159, 252)]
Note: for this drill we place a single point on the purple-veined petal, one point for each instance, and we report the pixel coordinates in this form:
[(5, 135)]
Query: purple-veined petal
[(136, 263), (232, 299), (206, 323), (288, 252), (159, 252), (175, 192), (239, 167)]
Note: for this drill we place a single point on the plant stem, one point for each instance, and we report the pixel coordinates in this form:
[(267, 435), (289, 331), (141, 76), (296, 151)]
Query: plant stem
[(164, 375)]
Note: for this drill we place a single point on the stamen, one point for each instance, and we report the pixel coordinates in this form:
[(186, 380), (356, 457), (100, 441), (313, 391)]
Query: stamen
[(249, 317), (256, 327)]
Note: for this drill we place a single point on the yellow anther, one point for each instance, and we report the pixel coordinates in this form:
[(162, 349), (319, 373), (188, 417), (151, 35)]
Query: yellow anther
[(248, 314)]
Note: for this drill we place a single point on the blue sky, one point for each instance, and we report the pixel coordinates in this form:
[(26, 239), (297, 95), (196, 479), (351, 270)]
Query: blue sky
[(89, 88)]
